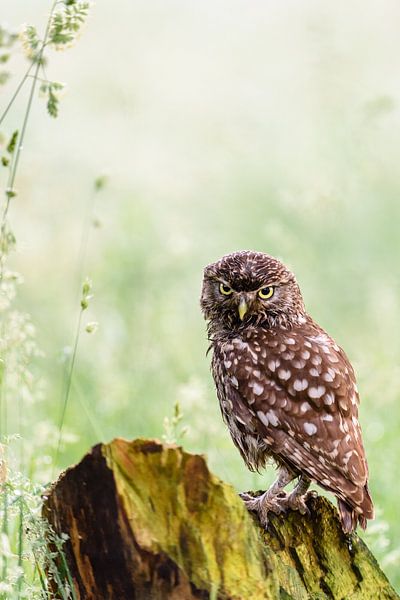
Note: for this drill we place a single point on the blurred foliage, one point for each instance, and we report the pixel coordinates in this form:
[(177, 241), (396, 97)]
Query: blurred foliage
[(271, 126), (31, 555)]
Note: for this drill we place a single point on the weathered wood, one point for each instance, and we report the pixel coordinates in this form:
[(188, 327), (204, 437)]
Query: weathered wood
[(149, 521)]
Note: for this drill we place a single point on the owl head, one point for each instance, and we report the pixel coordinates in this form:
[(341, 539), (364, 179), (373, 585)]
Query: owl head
[(250, 288)]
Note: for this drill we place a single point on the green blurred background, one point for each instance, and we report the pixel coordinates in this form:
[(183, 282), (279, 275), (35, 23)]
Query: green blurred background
[(222, 126)]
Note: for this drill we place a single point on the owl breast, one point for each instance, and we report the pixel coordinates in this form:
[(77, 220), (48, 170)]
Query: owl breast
[(241, 422)]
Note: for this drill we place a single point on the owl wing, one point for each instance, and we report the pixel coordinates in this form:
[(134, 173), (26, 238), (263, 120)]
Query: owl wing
[(301, 388)]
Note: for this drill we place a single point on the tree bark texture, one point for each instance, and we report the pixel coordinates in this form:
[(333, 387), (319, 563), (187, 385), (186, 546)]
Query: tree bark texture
[(149, 521)]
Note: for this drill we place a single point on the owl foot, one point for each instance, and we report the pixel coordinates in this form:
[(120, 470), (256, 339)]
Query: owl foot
[(277, 504), (295, 501), (264, 504), (274, 499)]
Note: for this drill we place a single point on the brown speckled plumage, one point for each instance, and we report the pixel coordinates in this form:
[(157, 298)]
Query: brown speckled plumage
[(285, 388)]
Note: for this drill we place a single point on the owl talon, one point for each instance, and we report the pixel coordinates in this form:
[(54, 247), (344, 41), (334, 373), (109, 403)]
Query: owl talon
[(299, 502), (265, 504), (245, 496)]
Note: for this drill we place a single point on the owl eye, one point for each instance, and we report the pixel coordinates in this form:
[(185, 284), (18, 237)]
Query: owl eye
[(225, 289), (266, 292)]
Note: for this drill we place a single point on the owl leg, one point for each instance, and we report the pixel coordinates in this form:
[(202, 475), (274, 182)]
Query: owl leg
[(297, 499), (273, 500)]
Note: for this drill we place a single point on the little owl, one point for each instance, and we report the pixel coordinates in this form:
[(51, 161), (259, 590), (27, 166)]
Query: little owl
[(285, 388)]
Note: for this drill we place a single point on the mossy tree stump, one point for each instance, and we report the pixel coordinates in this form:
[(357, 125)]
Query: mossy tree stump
[(149, 521)]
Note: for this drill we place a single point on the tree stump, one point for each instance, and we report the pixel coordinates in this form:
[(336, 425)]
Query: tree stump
[(147, 520)]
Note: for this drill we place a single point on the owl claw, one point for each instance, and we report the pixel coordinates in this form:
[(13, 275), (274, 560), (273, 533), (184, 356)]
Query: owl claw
[(265, 504), (299, 502)]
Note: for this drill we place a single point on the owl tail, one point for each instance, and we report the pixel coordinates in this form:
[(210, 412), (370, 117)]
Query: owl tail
[(351, 517)]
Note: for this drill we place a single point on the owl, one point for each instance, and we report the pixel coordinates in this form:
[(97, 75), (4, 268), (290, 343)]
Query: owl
[(286, 390)]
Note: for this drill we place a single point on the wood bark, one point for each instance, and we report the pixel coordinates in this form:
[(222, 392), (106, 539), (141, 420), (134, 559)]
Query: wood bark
[(147, 520)]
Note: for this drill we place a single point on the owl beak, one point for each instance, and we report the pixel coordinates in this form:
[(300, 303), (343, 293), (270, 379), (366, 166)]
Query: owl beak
[(243, 308)]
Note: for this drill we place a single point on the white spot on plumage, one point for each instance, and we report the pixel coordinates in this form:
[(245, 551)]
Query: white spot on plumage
[(305, 354), (310, 428), (329, 398), (284, 374), (258, 389), (240, 344), (327, 377), (327, 417), (347, 457), (263, 417), (238, 418), (299, 364), (227, 363), (253, 354), (290, 341), (314, 372), (321, 338), (305, 407), (273, 364), (300, 384), (333, 358), (234, 381), (316, 392), (272, 418)]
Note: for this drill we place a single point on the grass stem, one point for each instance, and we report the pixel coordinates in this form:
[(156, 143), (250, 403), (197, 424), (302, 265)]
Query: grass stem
[(17, 91), (68, 387)]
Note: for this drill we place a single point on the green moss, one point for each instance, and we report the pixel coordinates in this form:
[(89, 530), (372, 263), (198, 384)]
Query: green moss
[(176, 506)]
